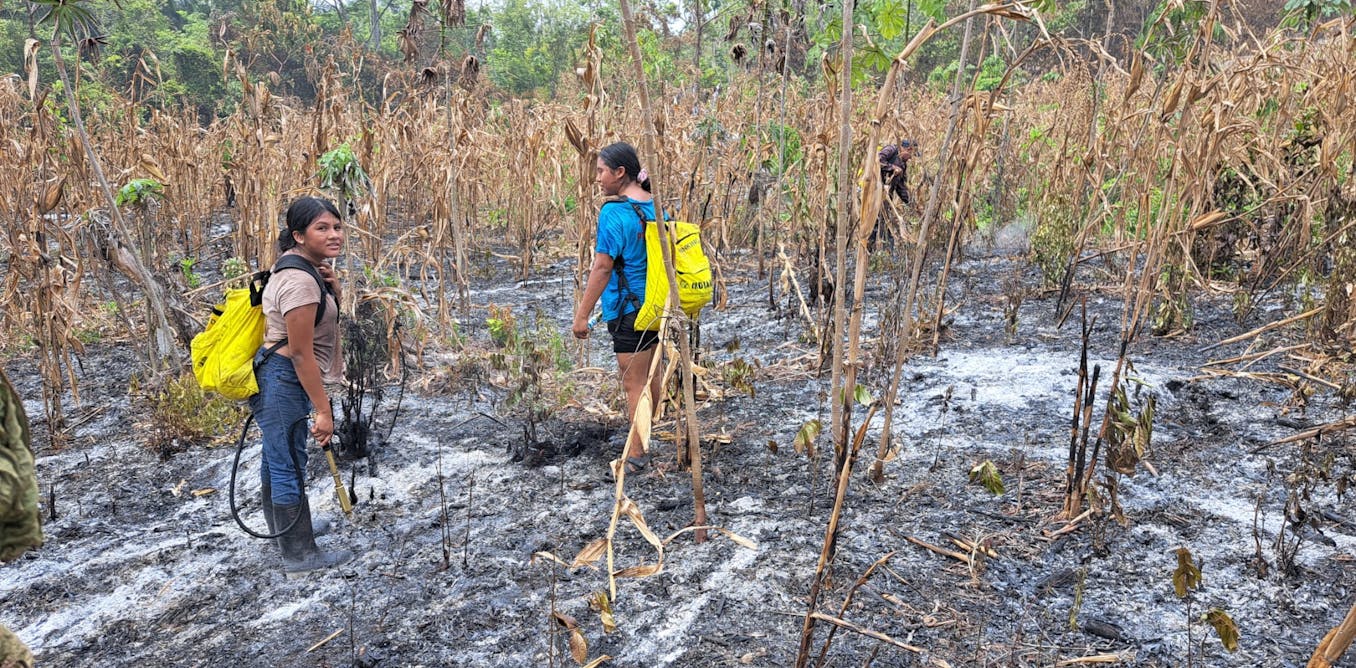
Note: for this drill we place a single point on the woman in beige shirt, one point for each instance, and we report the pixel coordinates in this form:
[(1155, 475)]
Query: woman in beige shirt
[(301, 352)]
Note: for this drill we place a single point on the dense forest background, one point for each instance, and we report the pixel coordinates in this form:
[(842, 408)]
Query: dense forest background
[(169, 53)]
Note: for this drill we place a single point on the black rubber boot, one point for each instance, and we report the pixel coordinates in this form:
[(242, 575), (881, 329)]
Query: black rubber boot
[(299, 551), (266, 500), (321, 526)]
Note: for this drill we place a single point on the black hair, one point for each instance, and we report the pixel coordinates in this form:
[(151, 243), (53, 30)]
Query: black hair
[(908, 143), (300, 215), (622, 154)]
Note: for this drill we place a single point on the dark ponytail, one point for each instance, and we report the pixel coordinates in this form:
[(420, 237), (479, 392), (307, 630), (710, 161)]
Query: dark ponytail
[(622, 154), (300, 215)]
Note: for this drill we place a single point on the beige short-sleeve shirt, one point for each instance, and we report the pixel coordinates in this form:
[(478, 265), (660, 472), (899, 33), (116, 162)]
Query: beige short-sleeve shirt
[(292, 288)]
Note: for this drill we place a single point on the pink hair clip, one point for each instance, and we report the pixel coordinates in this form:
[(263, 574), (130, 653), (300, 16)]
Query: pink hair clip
[(643, 175)]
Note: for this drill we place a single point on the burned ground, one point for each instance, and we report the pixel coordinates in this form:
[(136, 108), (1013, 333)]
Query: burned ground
[(144, 566)]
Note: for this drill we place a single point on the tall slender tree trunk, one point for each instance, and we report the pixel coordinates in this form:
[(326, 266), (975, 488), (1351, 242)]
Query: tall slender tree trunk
[(651, 156), (161, 340), (374, 25), (920, 253), (841, 407)]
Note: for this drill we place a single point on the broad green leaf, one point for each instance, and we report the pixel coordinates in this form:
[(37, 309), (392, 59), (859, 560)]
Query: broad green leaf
[(873, 58), (831, 34), (891, 17), (933, 9), (862, 395)]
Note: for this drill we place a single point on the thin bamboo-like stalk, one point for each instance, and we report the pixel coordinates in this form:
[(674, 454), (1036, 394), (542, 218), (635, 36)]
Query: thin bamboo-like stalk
[(839, 316), (649, 150)]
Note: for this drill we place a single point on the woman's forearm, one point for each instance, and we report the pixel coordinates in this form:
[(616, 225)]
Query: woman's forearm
[(308, 372)]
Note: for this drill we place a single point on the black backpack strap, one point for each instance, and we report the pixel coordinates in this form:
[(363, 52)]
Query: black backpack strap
[(619, 263), (293, 261), (289, 261)]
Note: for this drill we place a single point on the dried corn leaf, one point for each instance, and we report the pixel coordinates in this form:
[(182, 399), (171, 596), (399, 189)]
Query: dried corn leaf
[(639, 571), (31, 66), (548, 556), (579, 648), (632, 511), (52, 197), (152, 167), (590, 554), (738, 539)]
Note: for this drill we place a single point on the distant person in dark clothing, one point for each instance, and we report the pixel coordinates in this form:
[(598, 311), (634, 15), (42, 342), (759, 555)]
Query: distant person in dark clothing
[(894, 174), (894, 168)]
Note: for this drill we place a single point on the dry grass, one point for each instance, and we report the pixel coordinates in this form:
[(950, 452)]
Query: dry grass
[(1229, 163)]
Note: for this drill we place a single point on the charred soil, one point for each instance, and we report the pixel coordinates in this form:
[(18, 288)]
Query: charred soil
[(144, 566)]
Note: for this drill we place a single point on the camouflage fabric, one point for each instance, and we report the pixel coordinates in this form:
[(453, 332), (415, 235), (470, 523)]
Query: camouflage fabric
[(20, 525), (13, 653)]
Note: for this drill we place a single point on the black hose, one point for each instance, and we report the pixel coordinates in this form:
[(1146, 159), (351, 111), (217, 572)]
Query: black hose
[(235, 468)]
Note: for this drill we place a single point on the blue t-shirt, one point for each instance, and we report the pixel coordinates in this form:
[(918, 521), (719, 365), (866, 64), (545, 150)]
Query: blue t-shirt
[(622, 236)]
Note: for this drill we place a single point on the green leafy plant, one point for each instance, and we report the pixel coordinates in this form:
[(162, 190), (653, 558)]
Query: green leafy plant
[(234, 267), (503, 326), (987, 475), (182, 415), (191, 277), (806, 436), (140, 192), (738, 374), (1186, 579), (340, 172)]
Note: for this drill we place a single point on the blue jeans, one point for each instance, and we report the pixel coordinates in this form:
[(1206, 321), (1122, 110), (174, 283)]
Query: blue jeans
[(281, 408)]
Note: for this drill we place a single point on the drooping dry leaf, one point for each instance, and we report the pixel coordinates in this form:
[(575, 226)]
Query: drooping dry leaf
[(639, 571), (600, 602), (598, 661), (738, 539), (152, 167), (1225, 627), (590, 554), (633, 512), (31, 66), (1187, 576), (548, 556), (52, 197), (805, 437), (579, 648)]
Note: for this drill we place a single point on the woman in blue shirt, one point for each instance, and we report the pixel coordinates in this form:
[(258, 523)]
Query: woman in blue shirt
[(620, 250)]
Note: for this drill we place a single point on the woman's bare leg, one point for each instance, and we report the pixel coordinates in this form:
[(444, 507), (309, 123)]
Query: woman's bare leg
[(633, 368)]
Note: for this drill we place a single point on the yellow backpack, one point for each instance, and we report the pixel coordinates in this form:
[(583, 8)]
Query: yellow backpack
[(223, 354), (691, 267)]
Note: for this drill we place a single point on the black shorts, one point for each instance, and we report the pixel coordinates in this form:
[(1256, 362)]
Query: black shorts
[(625, 338)]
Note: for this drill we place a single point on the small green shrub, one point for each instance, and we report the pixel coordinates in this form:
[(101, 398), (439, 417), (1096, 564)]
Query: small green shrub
[(182, 415), (139, 192)]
